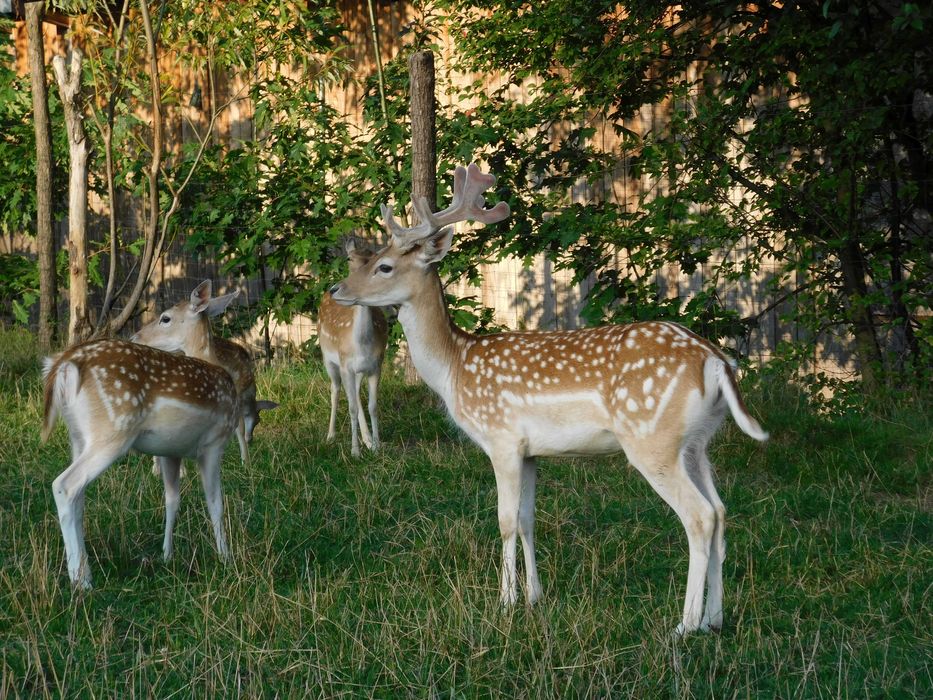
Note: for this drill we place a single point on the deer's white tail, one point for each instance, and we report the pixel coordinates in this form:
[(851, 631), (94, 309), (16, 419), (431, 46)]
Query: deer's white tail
[(62, 382), (725, 380)]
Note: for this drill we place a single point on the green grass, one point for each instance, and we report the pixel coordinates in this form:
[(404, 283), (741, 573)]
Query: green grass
[(377, 576)]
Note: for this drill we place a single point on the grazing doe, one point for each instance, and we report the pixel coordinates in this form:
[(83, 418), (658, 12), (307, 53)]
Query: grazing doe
[(236, 359), (655, 391), (116, 396), (186, 328), (353, 342)]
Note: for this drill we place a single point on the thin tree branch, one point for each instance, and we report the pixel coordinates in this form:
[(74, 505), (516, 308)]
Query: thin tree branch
[(107, 133)]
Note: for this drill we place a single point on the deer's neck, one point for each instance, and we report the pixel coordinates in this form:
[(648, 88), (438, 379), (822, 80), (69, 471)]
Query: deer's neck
[(201, 346), (435, 343), (362, 326)]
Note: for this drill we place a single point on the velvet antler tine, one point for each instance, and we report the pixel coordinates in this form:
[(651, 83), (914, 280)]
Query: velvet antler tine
[(467, 203)]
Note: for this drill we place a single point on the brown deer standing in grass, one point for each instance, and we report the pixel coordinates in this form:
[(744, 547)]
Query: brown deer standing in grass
[(655, 391), (115, 396), (353, 342), (186, 328)]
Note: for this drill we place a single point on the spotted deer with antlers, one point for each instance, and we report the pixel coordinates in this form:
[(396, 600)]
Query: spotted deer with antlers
[(655, 391), (353, 343), (115, 396)]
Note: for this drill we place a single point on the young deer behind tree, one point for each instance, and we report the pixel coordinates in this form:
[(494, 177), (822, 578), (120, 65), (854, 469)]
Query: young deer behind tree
[(655, 391), (353, 343)]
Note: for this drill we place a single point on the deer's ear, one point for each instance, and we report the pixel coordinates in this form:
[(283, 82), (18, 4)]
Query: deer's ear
[(218, 305), (436, 246), (201, 296)]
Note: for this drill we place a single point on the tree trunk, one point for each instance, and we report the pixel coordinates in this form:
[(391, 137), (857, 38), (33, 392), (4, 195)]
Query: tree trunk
[(106, 130), (863, 327), (151, 248), (909, 350), (45, 242), (69, 85), (855, 291)]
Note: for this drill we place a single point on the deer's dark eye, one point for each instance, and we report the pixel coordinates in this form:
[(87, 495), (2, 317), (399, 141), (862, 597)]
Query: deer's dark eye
[(384, 268), (165, 318)]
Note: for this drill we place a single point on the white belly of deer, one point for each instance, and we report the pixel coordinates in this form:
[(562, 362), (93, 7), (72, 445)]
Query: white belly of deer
[(547, 424), (547, 438), (176, 429)]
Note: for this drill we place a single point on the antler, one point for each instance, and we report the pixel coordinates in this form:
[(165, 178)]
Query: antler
[(467, 203)]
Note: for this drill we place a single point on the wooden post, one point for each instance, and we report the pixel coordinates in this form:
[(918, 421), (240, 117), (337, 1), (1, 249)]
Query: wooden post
[(423, 137), (45, 242), (69, 85), (423, 147)]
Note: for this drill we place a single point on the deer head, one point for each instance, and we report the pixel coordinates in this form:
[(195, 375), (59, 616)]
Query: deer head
[(186, 326), (389, 277), (357, 255)]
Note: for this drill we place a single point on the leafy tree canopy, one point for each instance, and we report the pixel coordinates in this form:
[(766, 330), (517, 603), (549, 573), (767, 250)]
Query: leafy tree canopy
[(793, 134), (798, 132)]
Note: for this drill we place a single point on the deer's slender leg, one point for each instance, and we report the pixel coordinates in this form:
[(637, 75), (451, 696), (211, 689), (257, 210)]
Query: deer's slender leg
[(373, 409), (507, 464), (361, 415), (170, 468), (672, 482), (349, 388), (68, 489), (712, 616), (209, 464), (334, 373), (526, 527)]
